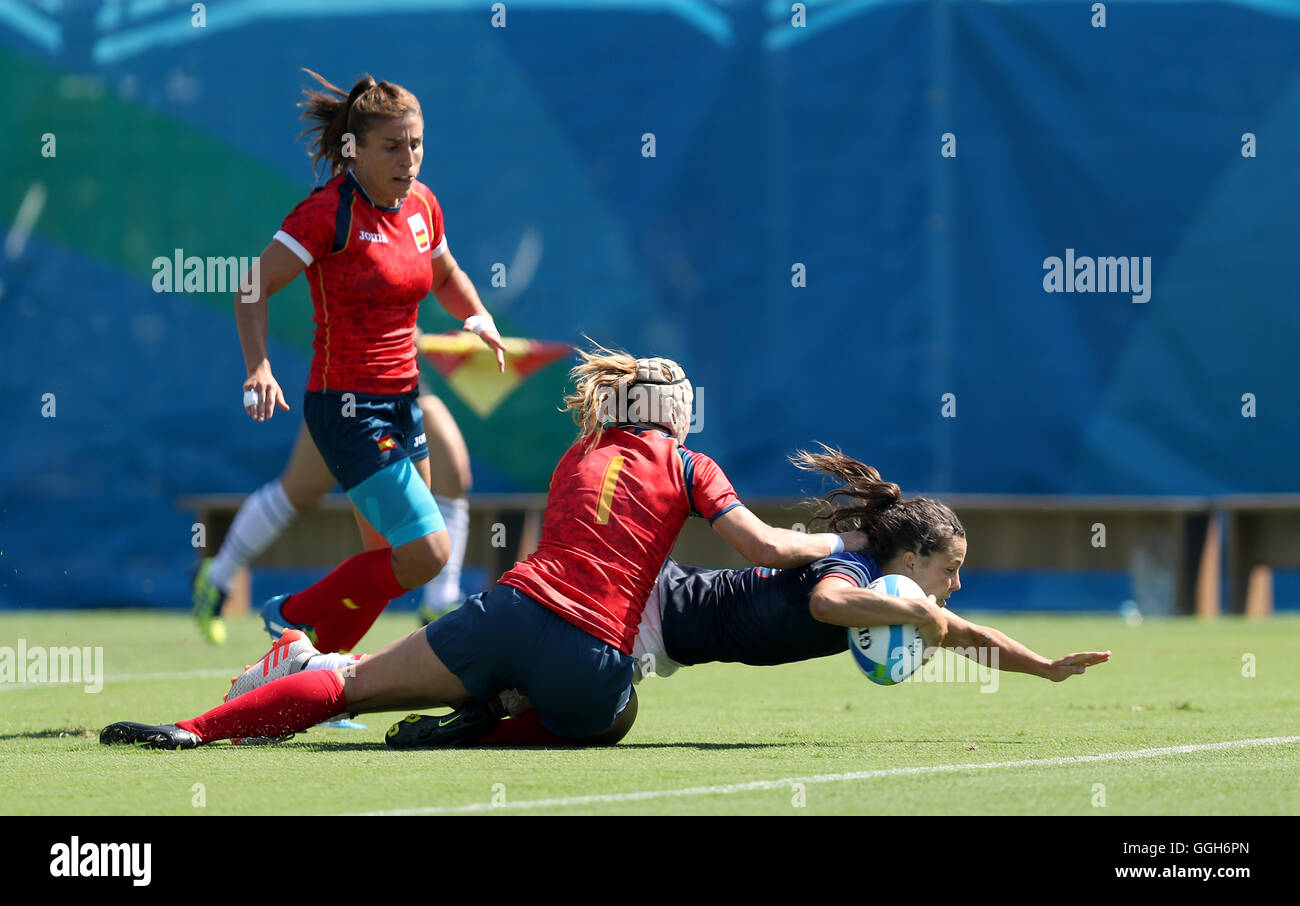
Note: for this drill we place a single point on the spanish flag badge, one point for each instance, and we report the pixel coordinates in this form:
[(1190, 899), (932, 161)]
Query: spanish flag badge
[(419, 231), (386, 442)]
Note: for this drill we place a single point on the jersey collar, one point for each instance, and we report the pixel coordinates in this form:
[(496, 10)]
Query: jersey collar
[(864, 560), (356, 182), (638, 430)]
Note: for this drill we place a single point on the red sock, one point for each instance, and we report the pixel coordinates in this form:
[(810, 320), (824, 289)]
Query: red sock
[(343, 606), (288, 705), (524, 730)]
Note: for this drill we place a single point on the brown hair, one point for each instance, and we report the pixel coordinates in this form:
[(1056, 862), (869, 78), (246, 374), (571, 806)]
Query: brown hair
[(872, 505), (598, 375), (332, 115)]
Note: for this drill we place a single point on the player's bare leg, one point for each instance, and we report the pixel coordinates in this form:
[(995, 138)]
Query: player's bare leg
[(450, 480), (448, 455), (306, 478), (262, 517), (402, 674)]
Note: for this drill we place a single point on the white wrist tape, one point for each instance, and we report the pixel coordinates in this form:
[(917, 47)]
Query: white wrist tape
[(837, 543), (479, 323)]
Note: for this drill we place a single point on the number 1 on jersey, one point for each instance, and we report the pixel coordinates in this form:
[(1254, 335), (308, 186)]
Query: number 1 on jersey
[(607, 490)]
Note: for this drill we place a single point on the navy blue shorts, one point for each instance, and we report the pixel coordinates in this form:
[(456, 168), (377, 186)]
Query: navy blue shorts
[(360, 436), (506, 640)]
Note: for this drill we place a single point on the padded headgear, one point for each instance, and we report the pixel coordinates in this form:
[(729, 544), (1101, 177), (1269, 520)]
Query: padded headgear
[(660, 395)]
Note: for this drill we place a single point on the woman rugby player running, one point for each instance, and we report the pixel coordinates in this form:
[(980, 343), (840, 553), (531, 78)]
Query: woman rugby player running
[(372, 243), (561, 624)]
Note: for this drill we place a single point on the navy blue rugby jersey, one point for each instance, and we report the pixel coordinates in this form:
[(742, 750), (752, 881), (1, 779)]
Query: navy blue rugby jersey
[(753, 616)]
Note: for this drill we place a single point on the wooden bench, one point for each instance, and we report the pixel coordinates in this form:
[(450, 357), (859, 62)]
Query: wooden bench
[(1178, 535), (1262, 532)]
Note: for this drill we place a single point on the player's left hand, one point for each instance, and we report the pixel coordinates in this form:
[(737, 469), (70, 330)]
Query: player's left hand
[(1074, 664), (492, 340), (935, 630)]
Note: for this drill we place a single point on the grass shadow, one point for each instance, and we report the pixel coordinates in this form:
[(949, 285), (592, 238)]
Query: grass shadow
[(369, 746), (54, 733)]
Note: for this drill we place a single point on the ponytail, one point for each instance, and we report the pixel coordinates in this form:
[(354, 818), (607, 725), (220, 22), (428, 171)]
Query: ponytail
[(869, 504), (596, 378), (333, 114)]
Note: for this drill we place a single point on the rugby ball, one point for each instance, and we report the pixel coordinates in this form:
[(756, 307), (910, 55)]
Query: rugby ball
[(889, 654)]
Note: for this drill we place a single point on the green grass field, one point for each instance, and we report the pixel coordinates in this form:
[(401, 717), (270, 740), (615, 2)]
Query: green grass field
[(716, 739)]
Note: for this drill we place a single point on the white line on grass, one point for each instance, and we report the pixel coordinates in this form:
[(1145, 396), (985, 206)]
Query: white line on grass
[(786, 782)]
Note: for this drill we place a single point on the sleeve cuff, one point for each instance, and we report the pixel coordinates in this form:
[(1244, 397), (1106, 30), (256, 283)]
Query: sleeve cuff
[(440, 248), (723, 511), (294, 246), (845, 577)]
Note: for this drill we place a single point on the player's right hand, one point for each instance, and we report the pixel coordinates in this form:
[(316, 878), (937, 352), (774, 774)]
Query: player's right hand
[(268, 391), (854, 541), (493, 341)]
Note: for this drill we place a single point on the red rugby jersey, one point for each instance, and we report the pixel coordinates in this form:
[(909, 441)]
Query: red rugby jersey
[(612, 516), (368, 267)]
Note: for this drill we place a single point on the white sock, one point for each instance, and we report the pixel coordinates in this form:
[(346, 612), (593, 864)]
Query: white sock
[(332, 660), (261, 518), (443, 590)]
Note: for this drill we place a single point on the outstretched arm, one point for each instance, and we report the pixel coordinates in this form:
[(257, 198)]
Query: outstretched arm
[(1013, 656), (778, 548)]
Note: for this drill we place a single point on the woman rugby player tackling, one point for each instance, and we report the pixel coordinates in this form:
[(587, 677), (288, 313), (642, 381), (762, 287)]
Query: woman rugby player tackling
[(766, 617)]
